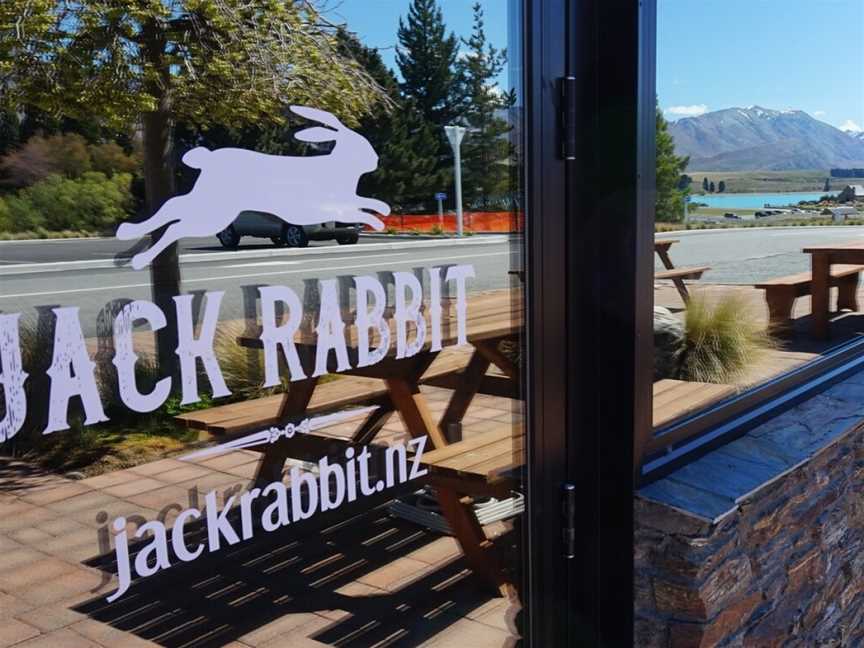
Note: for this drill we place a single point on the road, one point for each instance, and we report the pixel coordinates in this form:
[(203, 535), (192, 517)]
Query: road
[(50, 284), (745, 256)]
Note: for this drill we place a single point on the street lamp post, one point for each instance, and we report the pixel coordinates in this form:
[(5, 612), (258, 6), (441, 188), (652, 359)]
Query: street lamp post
[(455, 135)]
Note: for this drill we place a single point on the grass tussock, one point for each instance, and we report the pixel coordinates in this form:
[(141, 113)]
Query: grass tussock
[(723, 339)]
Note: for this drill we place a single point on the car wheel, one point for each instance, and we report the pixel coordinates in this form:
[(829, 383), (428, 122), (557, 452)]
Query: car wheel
[(229, 238), (278, 241), (295, 236), (348, 240)]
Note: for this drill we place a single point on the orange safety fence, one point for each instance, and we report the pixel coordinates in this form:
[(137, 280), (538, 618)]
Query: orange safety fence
[(471, 222)]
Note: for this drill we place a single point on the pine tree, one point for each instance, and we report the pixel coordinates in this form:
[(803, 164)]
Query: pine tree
[(406, 177), (711, 187), (827, 186), (721, 187), (705, 185), (426, 58), (486, 150), (670, 199)]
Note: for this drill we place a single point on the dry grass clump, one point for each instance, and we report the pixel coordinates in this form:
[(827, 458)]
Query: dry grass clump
[(723, 338)]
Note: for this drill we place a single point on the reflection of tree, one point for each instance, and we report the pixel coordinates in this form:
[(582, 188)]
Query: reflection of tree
[(486, 150), (205, 62)]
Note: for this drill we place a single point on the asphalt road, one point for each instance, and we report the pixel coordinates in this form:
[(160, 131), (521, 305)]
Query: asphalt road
[(94, 289), (745, 256), (52, 251)]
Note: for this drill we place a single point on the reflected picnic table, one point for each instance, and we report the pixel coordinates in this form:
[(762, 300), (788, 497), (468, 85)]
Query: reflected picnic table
[(492, 319), (822, 257), (677, 275)]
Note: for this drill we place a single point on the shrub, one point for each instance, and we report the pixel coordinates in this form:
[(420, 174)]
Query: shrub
[(40, 157), (723, 338), (110, 158), (436, 230), (92, 202)]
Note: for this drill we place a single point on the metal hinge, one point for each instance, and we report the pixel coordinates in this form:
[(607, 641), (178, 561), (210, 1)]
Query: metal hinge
[(568, 117), (568, 510)]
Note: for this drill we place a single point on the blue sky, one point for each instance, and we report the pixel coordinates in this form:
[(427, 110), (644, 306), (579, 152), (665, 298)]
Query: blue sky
[(711, 54), (800, 54), (376, 21)]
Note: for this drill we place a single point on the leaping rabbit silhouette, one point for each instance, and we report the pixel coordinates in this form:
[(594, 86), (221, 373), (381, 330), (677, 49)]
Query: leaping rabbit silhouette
[(299, 190)]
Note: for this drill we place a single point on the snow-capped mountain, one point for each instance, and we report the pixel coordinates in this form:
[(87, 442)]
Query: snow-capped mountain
[(756, 138)]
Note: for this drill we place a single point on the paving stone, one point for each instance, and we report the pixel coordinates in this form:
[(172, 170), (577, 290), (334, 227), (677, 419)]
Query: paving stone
[(394, 575), (13, 631), (134, 487), (291, 625), (12, 606), (61, 639), (156, 467), (161, 497), (34, 573), (84, 503), (57, 494), (10, 560), (52, 617), (105, 635), (466, 632), (183, 473), (69, 584), (30, 536), (28, 517), (110, 479)]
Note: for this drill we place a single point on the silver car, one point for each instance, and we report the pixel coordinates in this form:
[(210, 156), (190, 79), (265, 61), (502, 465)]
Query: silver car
[(282, 234)]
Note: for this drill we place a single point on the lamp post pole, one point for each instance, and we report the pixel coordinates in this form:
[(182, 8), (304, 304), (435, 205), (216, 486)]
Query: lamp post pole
[(455, 135)]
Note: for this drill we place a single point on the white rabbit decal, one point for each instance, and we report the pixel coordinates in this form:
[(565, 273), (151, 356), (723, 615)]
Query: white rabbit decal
[(299, 190)]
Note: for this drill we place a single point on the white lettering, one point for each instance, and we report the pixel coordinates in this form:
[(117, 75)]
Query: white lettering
[(217, 522), (408, 310), (189, 348), (177, 539), (158, 547), (273, 336), (12, 377), (125, 357), (459, 274), (279, 506), (72, 374), (367, 319), (331, 330)]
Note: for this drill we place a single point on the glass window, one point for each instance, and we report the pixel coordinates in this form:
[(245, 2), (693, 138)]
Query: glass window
[(759, 156), (261, 323)]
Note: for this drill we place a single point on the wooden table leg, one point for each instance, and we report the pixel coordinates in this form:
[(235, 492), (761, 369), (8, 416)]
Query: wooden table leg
[(294, 403), (412, 407), (820, 285), (478, 550), (466, 389), (678, 281)]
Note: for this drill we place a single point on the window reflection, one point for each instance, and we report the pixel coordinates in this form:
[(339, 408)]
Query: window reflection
[(240, 402)]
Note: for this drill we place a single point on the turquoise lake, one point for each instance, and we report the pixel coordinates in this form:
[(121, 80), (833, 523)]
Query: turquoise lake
[(757, 201)]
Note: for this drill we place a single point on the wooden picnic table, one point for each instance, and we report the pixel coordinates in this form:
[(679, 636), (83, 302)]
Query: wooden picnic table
[(676, 275), (822, 257), (492, 318)]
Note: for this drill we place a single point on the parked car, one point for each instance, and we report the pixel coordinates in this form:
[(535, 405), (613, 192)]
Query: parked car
[(732, 216), (262, 225)]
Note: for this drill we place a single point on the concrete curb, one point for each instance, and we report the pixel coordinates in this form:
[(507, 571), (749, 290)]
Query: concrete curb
[(290, 253)]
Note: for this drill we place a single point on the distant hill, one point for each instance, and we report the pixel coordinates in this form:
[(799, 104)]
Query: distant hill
[(760, 139)]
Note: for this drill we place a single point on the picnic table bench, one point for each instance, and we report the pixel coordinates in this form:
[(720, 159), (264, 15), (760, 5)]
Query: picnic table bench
[(781, 293), (676, 275), (393, 386), (822, 258)]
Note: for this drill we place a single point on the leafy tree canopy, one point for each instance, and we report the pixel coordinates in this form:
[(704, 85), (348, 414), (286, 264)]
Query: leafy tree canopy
[(216, 61)]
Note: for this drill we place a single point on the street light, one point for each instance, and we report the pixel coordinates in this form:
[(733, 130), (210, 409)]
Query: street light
[(455, 135)]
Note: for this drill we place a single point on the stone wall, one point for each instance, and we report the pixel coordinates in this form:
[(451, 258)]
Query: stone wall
[(784, 567)]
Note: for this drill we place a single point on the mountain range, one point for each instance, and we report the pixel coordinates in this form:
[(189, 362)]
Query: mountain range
[(760, 139)]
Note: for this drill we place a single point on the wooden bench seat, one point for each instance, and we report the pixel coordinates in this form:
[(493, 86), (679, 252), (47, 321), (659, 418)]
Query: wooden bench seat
[(694, 272), (345, 391), (482, 464), (781, 293)]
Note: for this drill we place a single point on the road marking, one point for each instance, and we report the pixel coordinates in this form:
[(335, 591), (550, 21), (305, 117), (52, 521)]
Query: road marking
[(251, 275), (278, 263)]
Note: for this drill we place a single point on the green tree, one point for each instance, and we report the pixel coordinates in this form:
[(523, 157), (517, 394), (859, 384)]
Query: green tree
[(670, 198), (408, 172), (426, 58), (721, 186), (705, 185), (486, 150), (711, 187), (205, 62), (827, 186)]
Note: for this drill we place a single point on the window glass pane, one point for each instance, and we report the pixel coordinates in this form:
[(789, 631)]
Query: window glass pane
[(261, 323), (758, 174)]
